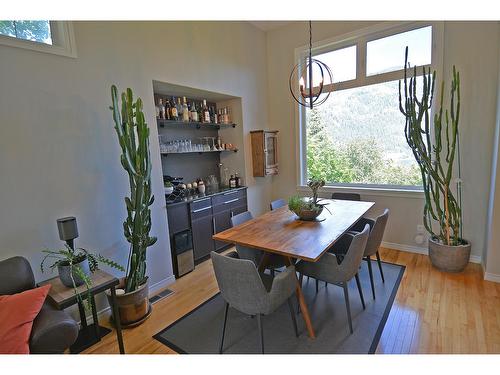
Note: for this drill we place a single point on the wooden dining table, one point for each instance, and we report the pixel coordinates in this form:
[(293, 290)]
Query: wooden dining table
[(280, 232)]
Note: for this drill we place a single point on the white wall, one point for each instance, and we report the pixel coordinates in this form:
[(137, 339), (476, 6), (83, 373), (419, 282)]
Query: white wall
[(59, 153), (473, 48)]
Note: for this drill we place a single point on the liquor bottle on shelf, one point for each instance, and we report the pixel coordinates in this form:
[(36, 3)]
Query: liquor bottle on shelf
[(239, 183), (173, 111), (185, 110), (206, 112), (219, 116), (162, 108), (213, 115), (225, 117), (232, 182), (179, 108), (200, 112), (194, 114), (167, 110)]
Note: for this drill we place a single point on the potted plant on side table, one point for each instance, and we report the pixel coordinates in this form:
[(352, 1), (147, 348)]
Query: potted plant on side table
[(133, 136), (436, 155)]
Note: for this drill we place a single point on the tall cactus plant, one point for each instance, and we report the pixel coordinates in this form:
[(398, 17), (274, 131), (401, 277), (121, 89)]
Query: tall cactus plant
[(133, 135), (434, 151)]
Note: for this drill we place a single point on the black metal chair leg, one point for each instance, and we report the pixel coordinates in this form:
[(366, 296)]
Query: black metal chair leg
[(294, 320), (317, 285), (301, 278), (370, 271), (347, 305), (261, 332), (223, 328), (360, 291), (380, 266), (326, 284)]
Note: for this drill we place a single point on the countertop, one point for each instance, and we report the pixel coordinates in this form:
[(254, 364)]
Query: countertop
[(195, 197)]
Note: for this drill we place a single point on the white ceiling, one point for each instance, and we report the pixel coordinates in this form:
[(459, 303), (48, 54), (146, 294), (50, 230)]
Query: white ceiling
[(269, 25)]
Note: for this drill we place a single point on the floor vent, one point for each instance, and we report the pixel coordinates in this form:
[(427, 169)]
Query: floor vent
[(161, 295)]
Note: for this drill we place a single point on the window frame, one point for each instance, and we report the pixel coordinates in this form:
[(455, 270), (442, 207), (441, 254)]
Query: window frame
[(360, 38), (63, 40)]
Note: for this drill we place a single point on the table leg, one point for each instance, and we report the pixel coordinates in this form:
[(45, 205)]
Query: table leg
[(83, 317), (303, 306), (95, 319), (116, 318), (264, 261)]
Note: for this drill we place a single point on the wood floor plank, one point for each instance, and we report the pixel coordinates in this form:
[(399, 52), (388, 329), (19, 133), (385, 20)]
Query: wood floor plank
[(433, 312)]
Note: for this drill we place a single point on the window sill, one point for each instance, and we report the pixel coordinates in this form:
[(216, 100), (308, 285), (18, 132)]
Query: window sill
[(368, 191)]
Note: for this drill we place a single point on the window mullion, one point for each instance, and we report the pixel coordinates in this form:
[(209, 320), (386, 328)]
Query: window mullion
[(361, 61)]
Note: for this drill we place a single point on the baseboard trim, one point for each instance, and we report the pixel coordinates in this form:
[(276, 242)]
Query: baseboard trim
[(492, 277), (419, 250), (153, 289)]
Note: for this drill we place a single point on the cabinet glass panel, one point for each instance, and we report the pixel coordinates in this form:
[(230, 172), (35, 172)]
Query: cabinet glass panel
[(271, 150)]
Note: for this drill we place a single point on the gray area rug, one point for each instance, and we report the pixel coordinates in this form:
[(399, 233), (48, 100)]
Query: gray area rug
[(199, 331)]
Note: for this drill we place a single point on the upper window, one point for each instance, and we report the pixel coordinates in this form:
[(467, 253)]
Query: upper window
[(45, 36), (36, 31), (356, 137)]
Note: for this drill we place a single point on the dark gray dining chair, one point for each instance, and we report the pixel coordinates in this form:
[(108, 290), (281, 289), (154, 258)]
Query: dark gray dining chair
[(249, 292), (377, 229), (328, 269), (346, 196), (277, 204), (274, 261)]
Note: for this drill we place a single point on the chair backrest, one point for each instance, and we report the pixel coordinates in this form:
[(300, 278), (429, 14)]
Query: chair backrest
[(352, 259), (245, 252), (346, 196), (16, 275), (241, 218), (376, 233), (277, 204), (240, 284)]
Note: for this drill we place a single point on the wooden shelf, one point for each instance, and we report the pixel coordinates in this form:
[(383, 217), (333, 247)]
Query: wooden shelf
[(196, 152), (192, 125)]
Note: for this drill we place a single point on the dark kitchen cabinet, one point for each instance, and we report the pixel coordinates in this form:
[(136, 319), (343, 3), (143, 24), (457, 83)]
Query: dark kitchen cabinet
[(202, 230)]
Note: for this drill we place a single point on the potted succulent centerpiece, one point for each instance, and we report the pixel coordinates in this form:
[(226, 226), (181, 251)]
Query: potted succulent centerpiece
[(436, 147), (133, 136), (308, 208), (75, 267)]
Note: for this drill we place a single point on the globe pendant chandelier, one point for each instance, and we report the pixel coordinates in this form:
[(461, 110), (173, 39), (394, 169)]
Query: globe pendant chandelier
[(309, 78)]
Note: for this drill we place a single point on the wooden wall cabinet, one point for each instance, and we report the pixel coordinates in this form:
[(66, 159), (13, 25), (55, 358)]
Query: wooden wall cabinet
[(264, 152)]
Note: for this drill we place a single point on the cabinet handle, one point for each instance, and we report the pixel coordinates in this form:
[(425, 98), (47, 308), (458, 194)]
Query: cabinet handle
[(201, 209), (231, 201), (213, 224), (230, 192), (204, 199)]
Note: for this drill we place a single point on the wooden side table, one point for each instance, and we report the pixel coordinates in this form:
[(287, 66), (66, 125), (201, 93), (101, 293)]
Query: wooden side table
[(64, 297)]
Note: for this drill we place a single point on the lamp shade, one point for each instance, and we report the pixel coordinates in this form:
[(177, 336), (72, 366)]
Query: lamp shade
[(67, 228)]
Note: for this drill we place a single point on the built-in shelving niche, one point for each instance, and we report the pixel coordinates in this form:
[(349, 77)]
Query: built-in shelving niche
[(192, 165)]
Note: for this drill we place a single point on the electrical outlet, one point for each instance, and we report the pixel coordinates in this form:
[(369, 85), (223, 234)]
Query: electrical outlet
[(420, 228)]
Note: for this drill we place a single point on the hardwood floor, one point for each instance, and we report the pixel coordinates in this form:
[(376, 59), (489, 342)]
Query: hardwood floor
[(433, 312)]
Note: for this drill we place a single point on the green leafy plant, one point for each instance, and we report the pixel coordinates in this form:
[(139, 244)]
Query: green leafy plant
[(72, 258), (434, 151), (133, 136), (297, 203), (167, 184)]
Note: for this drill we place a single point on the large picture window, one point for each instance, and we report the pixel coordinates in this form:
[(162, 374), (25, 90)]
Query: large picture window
[(356, 138)]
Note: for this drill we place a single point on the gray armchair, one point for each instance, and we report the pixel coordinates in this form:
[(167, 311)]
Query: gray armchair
[(244, 289), (328, 269), (377, 229), (277, 204), (53, 330), (274, 261)]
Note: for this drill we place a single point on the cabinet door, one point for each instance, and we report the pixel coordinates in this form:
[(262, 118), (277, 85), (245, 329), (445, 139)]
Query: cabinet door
[(222, 221), (202, 236), (271, 153)]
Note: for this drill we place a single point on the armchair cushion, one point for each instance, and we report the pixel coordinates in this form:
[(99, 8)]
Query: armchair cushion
[(17, 312)]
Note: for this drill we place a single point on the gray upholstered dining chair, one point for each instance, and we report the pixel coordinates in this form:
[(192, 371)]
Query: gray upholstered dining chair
[(328, 269), (273, 262), (377, 229), (249, 292), (346, 196), (277, 204)]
